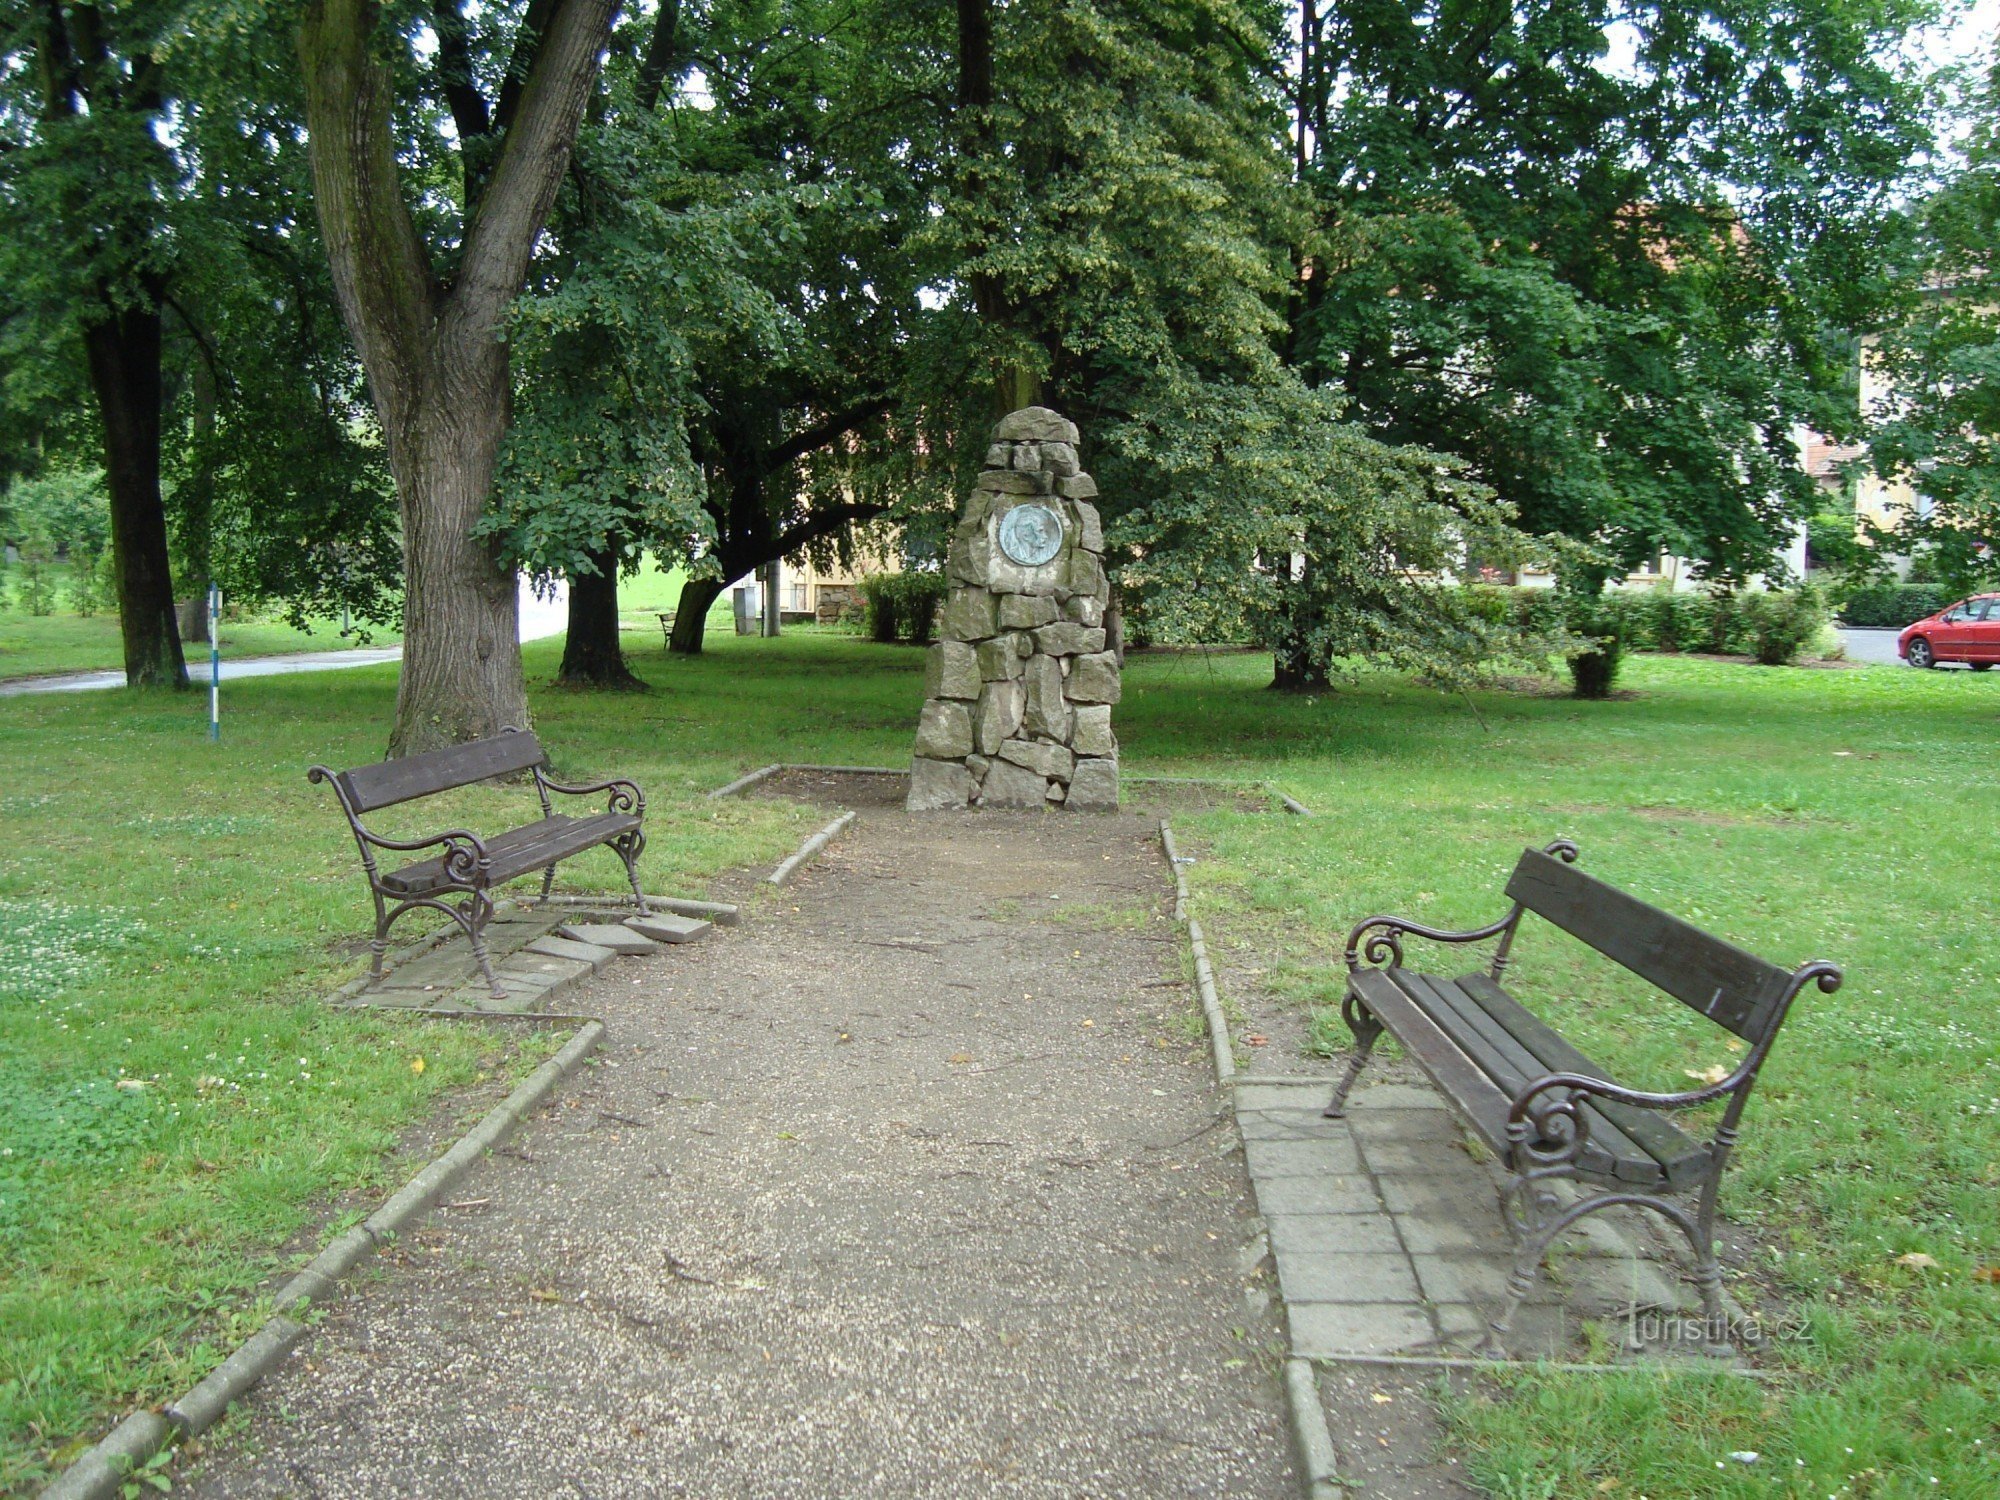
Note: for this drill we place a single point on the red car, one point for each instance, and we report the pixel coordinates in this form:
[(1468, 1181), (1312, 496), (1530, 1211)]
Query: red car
[(1969, 631)]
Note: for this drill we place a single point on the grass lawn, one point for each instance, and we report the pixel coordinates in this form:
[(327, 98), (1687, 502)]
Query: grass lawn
[(39, 645), (170, 908)]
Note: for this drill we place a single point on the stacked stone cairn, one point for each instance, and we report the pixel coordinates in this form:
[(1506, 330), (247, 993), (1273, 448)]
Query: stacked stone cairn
[(1019, 686)]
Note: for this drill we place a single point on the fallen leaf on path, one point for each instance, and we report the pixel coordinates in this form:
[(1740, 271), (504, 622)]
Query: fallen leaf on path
[(1708, 1075), (1988, 1274), (1256, 1039), (959, 1057), (416, 1065)]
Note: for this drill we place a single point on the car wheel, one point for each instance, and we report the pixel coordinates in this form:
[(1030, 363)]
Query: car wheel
[(1981, 666), (1921, 654)]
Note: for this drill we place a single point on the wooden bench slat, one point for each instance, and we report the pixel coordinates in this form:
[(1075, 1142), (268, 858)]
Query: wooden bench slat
[(394, 781), (518, 851), (1681, 1156), (1734, 989), (1456, 1075), (1609, 1150)]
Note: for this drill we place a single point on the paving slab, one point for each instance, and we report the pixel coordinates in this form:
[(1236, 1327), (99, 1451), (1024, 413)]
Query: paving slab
[(668, 927), (613, 935), (594, 954)]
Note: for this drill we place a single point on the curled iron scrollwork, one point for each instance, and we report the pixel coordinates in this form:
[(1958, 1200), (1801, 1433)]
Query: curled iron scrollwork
[(1384, 945), (1548, 1129)]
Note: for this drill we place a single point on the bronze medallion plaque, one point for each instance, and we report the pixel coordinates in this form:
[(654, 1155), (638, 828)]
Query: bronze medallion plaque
[(1031, 534)]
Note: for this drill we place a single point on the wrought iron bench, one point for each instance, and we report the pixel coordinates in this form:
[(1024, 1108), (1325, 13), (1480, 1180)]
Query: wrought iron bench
[(469, 867), (1549, 1112)]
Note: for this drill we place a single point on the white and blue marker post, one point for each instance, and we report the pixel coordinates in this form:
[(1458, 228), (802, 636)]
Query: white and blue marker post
[(214, 661)]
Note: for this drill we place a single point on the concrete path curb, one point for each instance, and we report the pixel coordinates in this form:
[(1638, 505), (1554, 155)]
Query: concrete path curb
[(1318, 1464), (1204, 975), (809, 848), (101, 1472)]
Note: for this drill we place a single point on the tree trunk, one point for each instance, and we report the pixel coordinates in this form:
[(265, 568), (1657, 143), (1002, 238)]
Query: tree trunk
[(1293, 671), (123, 349), (461, 677), (691, 614), (592, 656), (437, 368), (1014, 385)]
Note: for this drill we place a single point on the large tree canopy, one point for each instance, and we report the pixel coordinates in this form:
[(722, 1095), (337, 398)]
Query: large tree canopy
[(1610, 255), (162, 274), (1938, 422), (438, 144)]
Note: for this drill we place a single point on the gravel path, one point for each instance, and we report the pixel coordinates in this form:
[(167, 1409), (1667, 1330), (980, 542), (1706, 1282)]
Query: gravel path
[(914, 1184)]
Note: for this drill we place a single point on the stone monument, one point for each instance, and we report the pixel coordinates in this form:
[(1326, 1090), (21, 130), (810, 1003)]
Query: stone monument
[(1019, 687)]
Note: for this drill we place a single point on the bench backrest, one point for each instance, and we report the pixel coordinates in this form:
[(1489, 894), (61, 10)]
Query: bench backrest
[(1734, 989), (393, 781)]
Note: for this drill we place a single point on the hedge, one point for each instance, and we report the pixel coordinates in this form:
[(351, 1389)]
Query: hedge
[(1894, 605), (1775, 626), (903, 606)]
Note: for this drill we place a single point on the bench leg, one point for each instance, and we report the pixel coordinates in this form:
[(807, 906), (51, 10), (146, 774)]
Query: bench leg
[(1366, 1031), (1534, 1220), (475, 929), (548, 880), (629, 848)]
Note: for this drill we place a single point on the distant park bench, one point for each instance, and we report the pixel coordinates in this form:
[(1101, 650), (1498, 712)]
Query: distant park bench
[(667, 626), (469, 866), (1549, 1112)]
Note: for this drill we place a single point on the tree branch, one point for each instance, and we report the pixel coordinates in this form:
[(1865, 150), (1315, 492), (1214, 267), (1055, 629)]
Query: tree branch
[(533, 156), (454, 72), (801, 443), (661, 50), (521, 62), (381, 272), (822, 523)]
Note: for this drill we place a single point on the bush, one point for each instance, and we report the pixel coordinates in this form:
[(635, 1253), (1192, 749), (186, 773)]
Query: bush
[(1599, 620), (93, 587), (1893, 605), (903, 606), (37, 590), (879, 595), (1781, 624)]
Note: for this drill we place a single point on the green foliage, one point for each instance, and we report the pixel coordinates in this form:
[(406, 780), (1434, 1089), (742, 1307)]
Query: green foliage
[(880, 600), (1780, 624), (1893, 605), (904, 605), (1611, 289), (1938, 419), (275, 479), (1831, 542), (1774, 625), (1600, 625)]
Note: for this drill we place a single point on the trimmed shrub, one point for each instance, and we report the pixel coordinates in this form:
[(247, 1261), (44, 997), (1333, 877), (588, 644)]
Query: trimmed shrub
[(1599, 619), (1779, 625), (903, 606), (1893, 605), (879, 593)]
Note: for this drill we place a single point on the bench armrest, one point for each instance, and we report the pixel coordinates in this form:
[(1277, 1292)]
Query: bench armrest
[(465, 856), (1533, 1114), (1386, 946), (625, 795)]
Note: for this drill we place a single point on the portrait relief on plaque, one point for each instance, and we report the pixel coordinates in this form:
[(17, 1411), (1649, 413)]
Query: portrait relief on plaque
[(1031, 534)]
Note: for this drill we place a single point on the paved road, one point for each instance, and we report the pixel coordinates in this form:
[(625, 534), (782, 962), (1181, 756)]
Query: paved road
[(1874, 646), (539, 618)]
